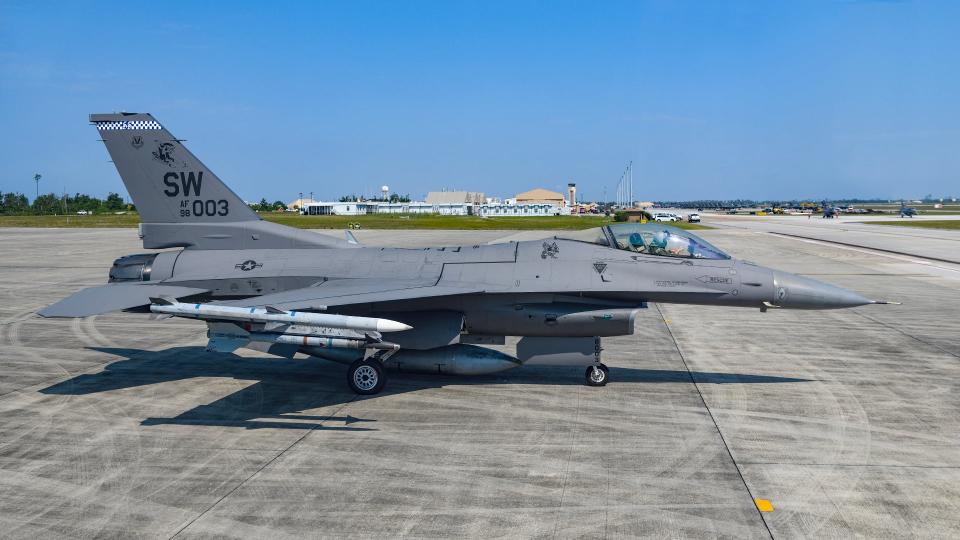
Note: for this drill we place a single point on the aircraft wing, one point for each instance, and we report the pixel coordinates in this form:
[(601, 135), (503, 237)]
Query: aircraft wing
[(113, 297), (344, 292)]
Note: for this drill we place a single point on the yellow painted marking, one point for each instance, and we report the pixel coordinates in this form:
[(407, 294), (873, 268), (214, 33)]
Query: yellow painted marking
[(668, 321), (764, 505)]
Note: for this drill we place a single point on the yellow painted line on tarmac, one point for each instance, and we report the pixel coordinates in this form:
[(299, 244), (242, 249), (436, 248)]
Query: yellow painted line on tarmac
[(764, 505)]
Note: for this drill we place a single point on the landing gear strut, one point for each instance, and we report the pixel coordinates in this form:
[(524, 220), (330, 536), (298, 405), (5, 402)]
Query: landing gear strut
[(597, 375), (367, 377)]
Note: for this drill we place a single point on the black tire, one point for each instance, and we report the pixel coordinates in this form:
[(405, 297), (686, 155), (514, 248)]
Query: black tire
[(366, 377), (597, 375)]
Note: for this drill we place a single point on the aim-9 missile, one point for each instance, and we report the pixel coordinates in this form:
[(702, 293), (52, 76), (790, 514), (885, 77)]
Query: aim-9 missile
[(274, 315)]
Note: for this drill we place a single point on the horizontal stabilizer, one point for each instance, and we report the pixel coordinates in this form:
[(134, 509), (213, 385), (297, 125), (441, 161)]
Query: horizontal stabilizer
[(114, 297)]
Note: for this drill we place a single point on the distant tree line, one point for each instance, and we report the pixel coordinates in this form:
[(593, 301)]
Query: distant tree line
[(264, 206), (12, 203)]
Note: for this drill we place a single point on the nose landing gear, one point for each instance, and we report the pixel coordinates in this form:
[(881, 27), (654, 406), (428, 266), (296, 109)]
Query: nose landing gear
[(597, 375)]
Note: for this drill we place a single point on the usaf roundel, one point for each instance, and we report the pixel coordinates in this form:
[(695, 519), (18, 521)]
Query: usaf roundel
[(248, 265)]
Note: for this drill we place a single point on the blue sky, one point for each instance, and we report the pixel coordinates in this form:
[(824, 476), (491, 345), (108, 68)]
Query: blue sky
[(708, 99)]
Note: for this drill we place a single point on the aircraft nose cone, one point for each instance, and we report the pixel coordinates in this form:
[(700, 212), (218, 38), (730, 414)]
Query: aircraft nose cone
[(792, 291)]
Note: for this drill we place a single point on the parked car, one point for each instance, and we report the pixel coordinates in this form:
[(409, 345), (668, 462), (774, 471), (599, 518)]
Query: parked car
[(663, 216), (693, 218)]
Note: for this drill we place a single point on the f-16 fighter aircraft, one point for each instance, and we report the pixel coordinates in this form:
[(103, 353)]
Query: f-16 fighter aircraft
[(282, 290), (906, 211)]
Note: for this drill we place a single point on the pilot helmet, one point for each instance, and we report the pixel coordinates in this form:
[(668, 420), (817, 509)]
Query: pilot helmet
[(660, 239), (636, 239)]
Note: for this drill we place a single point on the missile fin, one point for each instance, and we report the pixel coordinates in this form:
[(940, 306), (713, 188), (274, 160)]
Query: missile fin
[(225, 344), (274, 309)]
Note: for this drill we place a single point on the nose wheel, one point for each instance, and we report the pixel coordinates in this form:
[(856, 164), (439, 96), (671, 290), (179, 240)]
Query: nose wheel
[(597, 375), (366, 377)]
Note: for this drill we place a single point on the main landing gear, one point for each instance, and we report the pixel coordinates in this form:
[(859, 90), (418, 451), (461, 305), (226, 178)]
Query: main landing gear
[(597, 375), (367, 376)]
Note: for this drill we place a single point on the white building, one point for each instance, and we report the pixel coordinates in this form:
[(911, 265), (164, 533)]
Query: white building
[(454, 207), (354, 208), (350, 208), (519, 210), (413, 207)]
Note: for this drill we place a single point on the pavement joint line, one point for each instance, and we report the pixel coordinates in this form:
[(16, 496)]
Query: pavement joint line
[(566, 469), (878, 465), (261, 468), (716, 426), (911, 336), (902, 232), (884, 274), (873, 250)]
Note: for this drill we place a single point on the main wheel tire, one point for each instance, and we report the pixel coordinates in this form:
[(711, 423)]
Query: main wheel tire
[(597, 375), (366, 377)]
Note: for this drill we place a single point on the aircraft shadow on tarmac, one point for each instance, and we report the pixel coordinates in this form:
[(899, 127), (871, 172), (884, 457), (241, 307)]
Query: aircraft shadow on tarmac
[(286, 387)]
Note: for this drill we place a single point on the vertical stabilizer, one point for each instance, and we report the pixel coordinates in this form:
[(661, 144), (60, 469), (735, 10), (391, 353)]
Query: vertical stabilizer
[(167, 182), (181, 202)]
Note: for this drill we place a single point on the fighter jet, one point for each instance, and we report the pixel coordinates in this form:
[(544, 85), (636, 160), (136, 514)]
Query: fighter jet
[(830, 211), (906, 211), (285, 291)]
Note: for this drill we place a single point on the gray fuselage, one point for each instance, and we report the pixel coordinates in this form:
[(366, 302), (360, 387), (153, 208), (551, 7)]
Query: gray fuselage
[(531, 288)]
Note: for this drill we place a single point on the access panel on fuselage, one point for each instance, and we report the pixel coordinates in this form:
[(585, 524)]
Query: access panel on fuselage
[(480, 265)]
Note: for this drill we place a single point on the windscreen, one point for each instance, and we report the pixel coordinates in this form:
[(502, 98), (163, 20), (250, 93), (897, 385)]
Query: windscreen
[(592, 236), (663, 240)]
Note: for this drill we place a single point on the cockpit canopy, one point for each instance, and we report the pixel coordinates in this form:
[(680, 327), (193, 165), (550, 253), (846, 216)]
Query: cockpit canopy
[(649, 239)]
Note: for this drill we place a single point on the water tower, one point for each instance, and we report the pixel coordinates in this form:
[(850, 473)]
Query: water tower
[(385, 190)]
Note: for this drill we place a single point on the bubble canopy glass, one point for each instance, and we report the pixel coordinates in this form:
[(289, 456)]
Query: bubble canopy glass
[(649, 239)]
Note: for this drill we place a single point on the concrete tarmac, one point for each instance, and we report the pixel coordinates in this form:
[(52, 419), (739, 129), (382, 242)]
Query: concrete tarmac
[(846, 421), (856, 230)]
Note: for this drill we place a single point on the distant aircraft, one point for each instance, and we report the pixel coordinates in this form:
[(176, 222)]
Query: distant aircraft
[(282, 290), (906, 211), (830, 211)]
